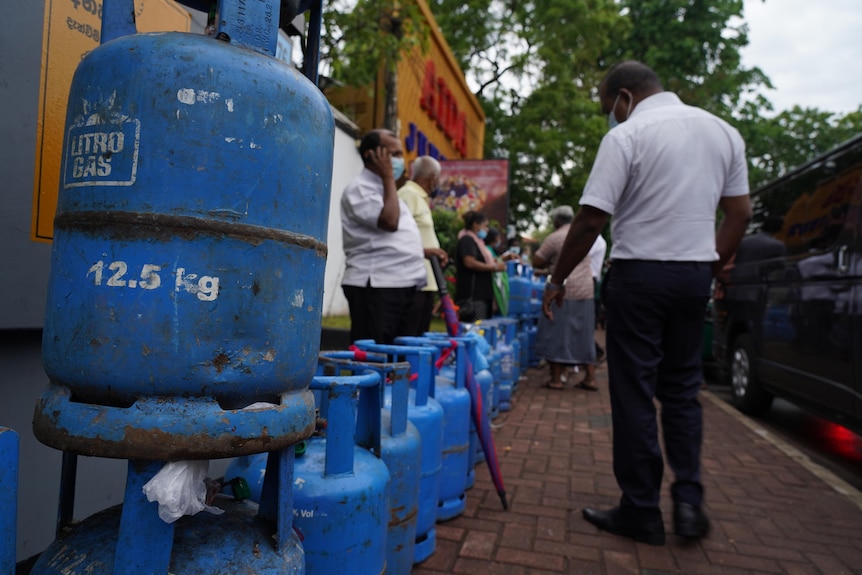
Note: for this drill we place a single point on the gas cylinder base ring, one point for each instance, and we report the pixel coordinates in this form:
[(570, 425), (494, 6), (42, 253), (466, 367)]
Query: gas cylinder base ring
[(170, 428), (451, 508), (425, 546)]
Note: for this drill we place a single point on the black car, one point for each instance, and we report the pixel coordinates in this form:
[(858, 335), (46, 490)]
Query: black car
[(788, 309)]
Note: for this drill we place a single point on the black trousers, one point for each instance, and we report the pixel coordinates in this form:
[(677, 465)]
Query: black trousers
[(380, 314), (655, 318), (419, 321)]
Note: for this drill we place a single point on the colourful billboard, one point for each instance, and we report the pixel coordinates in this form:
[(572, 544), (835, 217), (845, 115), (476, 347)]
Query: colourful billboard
[(474, 185)]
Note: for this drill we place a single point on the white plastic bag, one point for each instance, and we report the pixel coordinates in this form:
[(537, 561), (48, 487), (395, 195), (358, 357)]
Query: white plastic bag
[(180, 489)]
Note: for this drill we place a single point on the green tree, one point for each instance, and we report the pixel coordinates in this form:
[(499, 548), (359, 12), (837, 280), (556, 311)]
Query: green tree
[(540, 98), (694, 47), (447, 224), (534, 65), (777, 144), (359, 37)]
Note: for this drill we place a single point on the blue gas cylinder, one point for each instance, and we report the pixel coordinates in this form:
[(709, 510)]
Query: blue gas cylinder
[(519, 289), (237, 541), (400, 449), (486, 383), (508, 368), (340, 499), (132, 538), (477, 346), (531, 328), (457, 373), (455, 401), (509, 330), (471, 360), (476, 349), (448, 373), (9, 451), (537, 287), (524, 347), (488, 329), (195, 182), (426, 414)]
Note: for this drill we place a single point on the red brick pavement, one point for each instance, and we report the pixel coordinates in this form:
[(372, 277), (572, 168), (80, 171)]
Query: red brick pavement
[(770, 514)]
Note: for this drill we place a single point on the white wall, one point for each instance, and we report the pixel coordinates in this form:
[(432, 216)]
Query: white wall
[(346, 165)]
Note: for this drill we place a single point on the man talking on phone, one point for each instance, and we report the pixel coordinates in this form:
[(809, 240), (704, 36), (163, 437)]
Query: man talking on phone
[(384, 257)]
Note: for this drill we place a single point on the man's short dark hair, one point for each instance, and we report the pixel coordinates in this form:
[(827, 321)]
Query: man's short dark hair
[(632, 75), (371, 141)]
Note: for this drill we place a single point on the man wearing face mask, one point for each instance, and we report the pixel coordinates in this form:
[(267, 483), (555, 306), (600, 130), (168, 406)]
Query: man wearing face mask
[(660, 173), (384, 256)]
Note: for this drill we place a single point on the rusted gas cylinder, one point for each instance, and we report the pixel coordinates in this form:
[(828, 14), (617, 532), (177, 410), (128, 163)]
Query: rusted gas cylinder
[(189, 246)]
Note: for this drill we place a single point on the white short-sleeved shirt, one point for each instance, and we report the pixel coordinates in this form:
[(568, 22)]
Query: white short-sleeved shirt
[(597, 257), (387, 259), (660, 174)]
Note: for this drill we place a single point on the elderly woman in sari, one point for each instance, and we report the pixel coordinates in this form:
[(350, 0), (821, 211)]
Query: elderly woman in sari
[(568, 339)]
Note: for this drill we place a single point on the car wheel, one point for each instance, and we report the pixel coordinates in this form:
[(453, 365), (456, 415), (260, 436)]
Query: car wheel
[(748, 396)]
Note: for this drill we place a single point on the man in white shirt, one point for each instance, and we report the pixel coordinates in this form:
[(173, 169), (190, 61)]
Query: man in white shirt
[(661, 174), (383, 266), (424, 176)]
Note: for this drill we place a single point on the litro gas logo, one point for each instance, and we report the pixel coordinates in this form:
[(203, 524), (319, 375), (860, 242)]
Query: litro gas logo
[(92, 153), (102, 154)]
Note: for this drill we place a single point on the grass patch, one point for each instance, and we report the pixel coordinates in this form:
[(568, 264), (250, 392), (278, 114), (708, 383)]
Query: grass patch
[(336, 321), (343, 322)]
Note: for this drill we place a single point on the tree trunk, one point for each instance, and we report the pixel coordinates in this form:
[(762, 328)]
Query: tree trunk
[(390, 92)]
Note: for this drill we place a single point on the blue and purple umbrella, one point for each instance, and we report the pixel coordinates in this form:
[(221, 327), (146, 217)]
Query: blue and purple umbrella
[(483, 425)]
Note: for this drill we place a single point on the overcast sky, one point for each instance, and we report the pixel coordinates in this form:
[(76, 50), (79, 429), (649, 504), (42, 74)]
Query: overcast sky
[(810, 49)]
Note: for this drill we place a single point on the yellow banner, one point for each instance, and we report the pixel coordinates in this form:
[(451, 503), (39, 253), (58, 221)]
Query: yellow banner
[(72, 28), (822, 211)]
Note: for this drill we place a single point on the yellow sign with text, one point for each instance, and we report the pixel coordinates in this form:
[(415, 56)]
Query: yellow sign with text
[(71, 30)]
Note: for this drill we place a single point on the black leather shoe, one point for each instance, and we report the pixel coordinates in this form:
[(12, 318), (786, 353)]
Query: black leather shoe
[(617, 522), (689, 521)]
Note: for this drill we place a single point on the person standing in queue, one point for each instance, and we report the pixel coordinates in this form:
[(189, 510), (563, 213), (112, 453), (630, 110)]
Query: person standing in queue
[(383, 251), (424, 177), (661, 174), (569, 338), (474, 266)]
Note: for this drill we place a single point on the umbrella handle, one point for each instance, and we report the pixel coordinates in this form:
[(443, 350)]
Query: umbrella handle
[(438, 275)]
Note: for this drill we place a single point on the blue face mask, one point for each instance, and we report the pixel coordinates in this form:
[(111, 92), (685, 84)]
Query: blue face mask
[(397, 167), (612, 120), (482, 234)]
